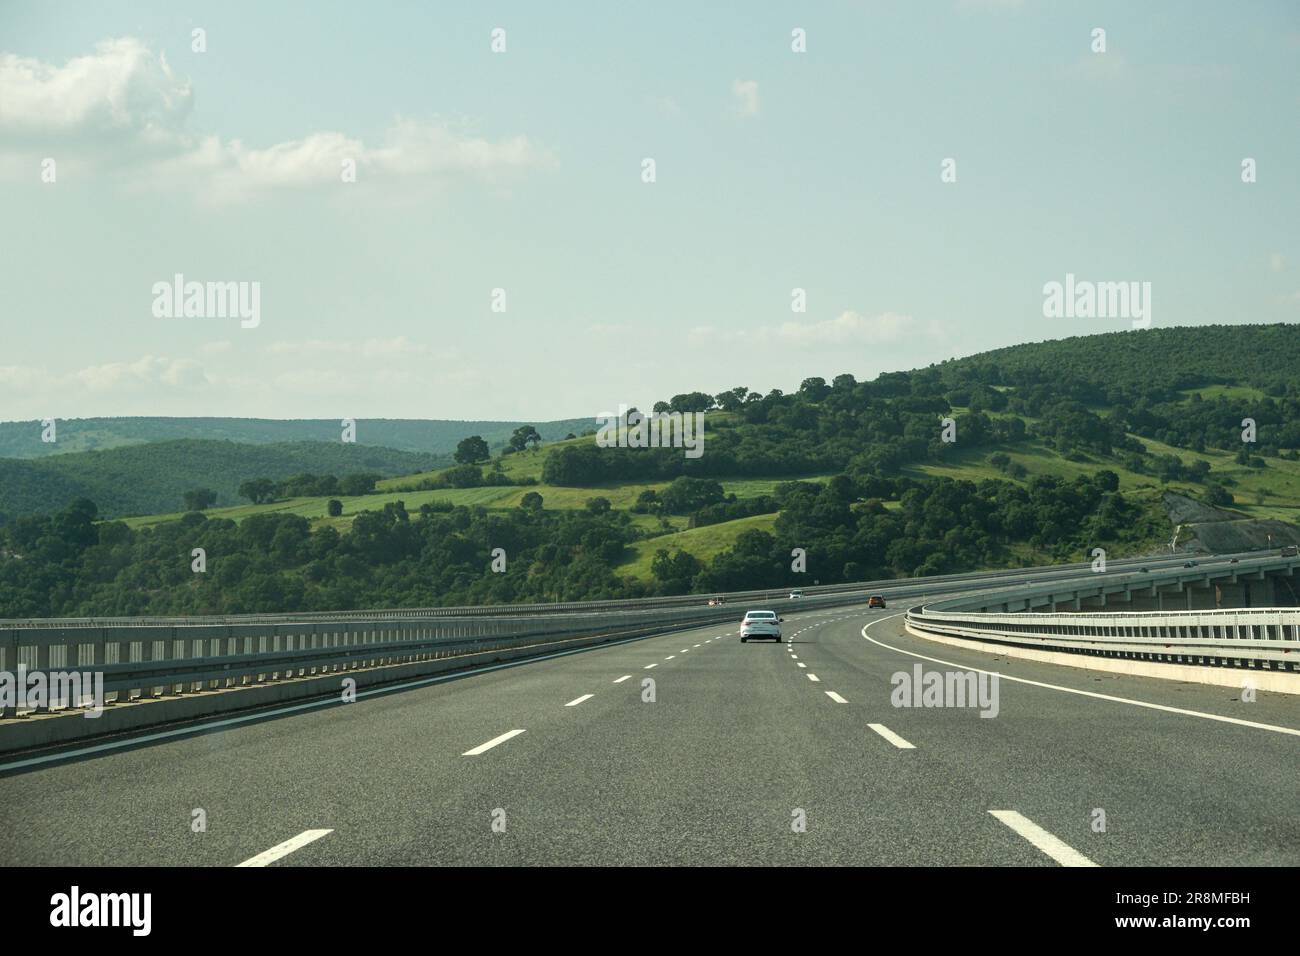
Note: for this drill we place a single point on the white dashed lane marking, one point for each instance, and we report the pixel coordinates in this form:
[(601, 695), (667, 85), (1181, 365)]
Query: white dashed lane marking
[(578, 700), (284, 849), (836, 697), (623, 678), (1059, 851), (892, 737), (483, 748)]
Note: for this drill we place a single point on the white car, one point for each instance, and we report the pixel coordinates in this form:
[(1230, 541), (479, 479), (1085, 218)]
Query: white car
[(760, 624), (796, 593)]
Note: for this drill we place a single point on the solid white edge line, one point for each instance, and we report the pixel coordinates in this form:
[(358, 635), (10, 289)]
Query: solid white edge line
[(836, 697), (578, 700), (1058, 850), (1082, 693), (284, 849), (483, 748), (892, 737)]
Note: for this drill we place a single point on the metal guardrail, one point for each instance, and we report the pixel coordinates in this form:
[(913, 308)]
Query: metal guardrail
[(935, 582), (145, 658), (146, 661), (1256, 638)]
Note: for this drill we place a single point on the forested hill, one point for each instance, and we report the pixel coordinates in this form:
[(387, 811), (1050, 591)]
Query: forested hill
[(139, 479), (1264, 357), (435, 437), (1026, 455)]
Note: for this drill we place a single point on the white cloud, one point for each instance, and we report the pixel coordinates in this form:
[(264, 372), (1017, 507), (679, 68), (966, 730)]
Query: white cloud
[(147, 371), (121, 88), (746, 94), (851, 328), (23, 378), (1276, 262), (123, 106)]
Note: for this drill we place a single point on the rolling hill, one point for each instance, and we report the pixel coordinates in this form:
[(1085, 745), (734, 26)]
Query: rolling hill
[(432, 437), (140, 479), (1059, 447)]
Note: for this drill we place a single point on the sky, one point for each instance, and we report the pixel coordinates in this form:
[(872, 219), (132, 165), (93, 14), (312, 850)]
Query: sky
[(499, 252)]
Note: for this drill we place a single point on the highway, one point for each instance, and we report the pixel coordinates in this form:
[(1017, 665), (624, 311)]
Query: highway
[(749, 754)]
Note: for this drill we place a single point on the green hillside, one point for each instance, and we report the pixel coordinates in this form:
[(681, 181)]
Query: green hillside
[(1261, 358), (1059, 447), (432, 437), (144, 479)]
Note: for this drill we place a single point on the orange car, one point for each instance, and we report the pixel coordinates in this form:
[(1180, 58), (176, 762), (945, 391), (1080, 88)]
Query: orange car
[(875, 601)]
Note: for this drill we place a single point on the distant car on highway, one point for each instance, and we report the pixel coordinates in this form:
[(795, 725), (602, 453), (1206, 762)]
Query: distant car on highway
[(1290, 551), (796, 592), (1144, 570), (760, 624), (1232, 561), (717, 602), (1189, 564), (875, 600)]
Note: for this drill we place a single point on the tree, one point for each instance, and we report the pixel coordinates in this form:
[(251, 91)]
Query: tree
[(1218, 496), (531, 501), (525, 436), (686, 494), (1106, 480), (335, 507), (675, 571), (472, 450), (692, 402), (814, 389), (258, 490), (463, 476), (359, 484), (730, 400), (200, 499)]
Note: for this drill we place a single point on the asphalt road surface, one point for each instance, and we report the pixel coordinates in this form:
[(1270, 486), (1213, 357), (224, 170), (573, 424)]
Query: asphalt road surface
[(758, 753)]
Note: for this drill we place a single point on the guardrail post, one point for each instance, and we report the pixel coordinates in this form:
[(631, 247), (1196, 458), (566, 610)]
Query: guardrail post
[(172, 690), (124, 655), (43, 665), (97, 661), (146, 657), (10, 650)]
